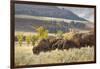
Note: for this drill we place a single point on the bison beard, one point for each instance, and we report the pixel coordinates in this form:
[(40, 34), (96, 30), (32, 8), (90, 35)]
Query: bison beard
[(79, 40)]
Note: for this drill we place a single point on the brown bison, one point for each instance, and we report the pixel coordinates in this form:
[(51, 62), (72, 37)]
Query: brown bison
[(88, 40), (79, 40), (43, 45), (84, 39), (48, 45)]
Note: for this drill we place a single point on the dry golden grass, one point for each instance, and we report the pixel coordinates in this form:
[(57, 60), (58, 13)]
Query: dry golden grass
[(24, 55)]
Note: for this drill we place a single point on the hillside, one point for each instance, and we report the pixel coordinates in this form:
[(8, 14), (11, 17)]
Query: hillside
[(47, 11), (52, 18)]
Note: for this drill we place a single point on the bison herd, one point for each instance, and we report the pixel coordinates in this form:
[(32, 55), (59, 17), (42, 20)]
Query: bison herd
[(79, 40)]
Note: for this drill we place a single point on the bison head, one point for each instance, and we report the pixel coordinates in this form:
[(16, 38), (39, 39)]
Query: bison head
[(42, 46)]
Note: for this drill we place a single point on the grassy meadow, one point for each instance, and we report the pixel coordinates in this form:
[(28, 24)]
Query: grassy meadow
[(24, 55)]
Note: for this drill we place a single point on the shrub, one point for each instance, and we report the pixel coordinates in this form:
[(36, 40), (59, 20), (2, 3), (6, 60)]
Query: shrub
[(34, 39), (42, 33), (20, 39), (59, 34), (28, 39), (68, 36)]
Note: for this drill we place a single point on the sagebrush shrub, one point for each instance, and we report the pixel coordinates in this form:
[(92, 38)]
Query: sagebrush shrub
[(59, 34), (42, 33), (20, 39), (28, 39), (34, 39), (68, 36)]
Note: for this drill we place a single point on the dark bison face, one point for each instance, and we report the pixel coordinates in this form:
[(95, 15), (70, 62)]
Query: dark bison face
[(36, 50), (89, 40), (42, 46)]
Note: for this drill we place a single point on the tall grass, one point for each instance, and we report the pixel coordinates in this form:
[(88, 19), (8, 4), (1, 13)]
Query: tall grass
[(24, 56)]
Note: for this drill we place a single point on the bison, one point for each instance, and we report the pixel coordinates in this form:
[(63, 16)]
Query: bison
[(88, 40), (43, 45), (48, 45), (79, 40)]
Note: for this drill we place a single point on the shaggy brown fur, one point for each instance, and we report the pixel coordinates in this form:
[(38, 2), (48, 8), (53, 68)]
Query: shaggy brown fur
[(48, 45), (79, 40)]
